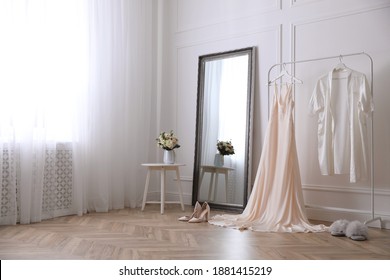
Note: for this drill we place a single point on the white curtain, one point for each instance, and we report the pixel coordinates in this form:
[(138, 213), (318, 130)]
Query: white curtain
[(116, 137), (233, 97), (75, 103), (212, 85)]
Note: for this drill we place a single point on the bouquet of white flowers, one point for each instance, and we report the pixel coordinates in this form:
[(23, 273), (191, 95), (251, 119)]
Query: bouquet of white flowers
[(225, 148), (167, 141)]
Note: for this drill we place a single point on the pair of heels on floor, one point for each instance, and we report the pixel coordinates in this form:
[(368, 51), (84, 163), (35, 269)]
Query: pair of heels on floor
[(200, 214)]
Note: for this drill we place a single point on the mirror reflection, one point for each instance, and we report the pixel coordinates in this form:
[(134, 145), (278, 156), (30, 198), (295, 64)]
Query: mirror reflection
[(221, 169)]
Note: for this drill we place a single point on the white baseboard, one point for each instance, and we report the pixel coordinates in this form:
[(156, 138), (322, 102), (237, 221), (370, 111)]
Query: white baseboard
[(171, 196), (332, 214), (330, 203)]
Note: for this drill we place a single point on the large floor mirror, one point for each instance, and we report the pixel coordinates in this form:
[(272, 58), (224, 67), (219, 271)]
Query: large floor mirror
[(223, 128)]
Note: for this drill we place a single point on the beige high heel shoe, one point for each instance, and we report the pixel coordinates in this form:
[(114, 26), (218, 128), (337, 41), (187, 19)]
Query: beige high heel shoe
[(204, 215), (196, 213)]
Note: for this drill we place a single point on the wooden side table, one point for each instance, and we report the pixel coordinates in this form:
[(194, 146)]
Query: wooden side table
[(214, 172), (162, 167)]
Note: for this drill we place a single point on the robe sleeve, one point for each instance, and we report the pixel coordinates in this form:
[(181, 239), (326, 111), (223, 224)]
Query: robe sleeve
[(365, 103), (316, 102)]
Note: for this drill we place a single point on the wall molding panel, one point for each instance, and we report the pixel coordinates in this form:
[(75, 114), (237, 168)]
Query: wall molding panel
[(342, 14), (295, 3), (294, 26), (225, 37), (221, 14), (337, 4)]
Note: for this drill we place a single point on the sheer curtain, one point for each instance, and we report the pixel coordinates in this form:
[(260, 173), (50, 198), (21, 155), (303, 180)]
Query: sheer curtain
[(212, 85), (75, 81), (117, 134), (234, 83)]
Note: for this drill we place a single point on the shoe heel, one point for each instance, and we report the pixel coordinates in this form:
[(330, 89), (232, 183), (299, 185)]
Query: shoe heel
[(204, 215), (195, 214)]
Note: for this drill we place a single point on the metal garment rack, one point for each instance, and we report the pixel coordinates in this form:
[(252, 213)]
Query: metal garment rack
[(373, 218)]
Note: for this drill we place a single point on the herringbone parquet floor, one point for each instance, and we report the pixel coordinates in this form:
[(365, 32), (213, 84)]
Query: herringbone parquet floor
[(132, 234)]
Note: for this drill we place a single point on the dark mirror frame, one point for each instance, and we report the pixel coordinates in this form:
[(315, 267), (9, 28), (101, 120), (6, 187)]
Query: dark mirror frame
[(249, 123)]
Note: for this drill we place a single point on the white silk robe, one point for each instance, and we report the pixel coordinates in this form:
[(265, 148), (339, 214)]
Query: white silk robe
[(342, 101)]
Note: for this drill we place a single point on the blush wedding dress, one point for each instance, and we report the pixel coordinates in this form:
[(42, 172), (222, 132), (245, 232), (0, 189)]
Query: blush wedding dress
[(276, 202)]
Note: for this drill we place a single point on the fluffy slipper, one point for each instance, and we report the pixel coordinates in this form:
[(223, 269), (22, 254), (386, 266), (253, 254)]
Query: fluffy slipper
[(338, 228), (357, 231)]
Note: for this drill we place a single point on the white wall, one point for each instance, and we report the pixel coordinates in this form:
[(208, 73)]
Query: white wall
[(282, 31)]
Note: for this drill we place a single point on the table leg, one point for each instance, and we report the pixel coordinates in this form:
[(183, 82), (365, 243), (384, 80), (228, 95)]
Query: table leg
[(162, 189), (216, 186), (211, 185), (201, 179), (180, 189), (146, 190), (226, 185)]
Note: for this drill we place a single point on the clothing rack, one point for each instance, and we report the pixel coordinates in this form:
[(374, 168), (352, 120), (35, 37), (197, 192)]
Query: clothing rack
[(373, 218)]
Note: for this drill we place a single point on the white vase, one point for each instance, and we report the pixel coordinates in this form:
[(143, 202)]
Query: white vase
[(169, 156), (218, 160)]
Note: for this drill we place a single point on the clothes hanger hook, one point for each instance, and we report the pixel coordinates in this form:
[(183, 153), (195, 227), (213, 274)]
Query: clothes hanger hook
[(341, 58)]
